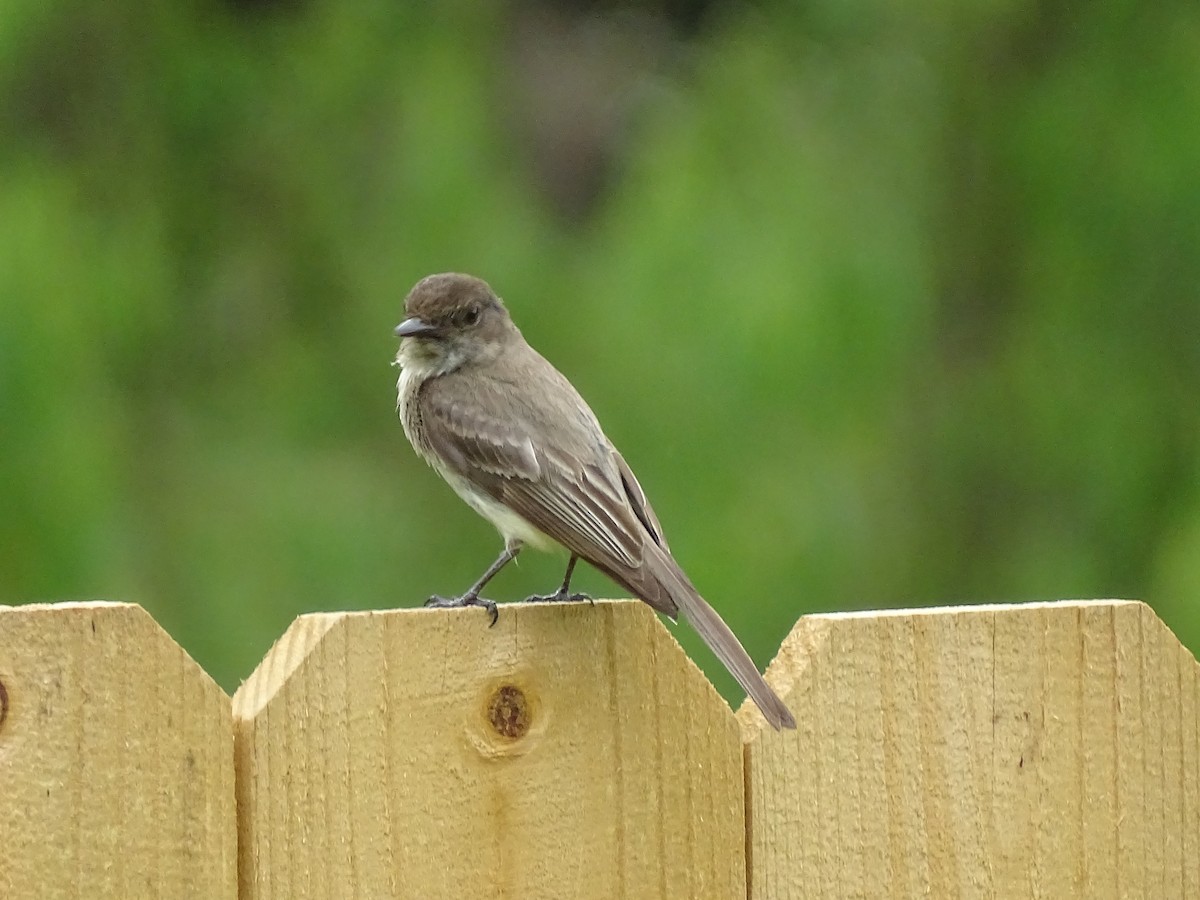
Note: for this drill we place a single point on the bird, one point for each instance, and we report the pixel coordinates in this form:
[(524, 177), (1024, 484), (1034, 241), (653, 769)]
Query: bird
[(515, 440)]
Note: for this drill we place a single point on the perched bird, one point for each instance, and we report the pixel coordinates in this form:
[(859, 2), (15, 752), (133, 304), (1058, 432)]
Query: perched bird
[(518, 444)]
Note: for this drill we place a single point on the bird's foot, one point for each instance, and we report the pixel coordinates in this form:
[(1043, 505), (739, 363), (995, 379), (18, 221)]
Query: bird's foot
[(438, 602), (560, 596)]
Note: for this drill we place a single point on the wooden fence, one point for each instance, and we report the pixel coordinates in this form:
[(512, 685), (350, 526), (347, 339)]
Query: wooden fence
[(1044, 750)]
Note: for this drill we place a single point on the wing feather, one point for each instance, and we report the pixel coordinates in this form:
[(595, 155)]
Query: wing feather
[(580, 492)]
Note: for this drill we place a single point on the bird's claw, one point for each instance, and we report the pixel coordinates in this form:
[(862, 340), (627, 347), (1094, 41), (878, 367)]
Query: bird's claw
[(560, 596), (438, 602)]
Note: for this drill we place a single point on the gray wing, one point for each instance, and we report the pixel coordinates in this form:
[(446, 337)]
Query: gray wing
[(637, 498), (570, 483)]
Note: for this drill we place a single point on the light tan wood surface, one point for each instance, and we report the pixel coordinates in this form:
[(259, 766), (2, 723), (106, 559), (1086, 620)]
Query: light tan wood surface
[(1036, 751), (116, 760), (571, 751)]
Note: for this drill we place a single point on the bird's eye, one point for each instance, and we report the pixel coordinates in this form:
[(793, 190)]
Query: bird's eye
[(471, 316)]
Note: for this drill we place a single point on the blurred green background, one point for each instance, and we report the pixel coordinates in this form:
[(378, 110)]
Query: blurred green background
[(885, 305)]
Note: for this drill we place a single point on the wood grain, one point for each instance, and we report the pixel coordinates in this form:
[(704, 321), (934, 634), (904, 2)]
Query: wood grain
[(570, 751), (1036, 751), (116, 760)]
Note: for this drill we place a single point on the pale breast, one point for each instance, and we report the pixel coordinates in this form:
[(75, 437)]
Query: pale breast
[(512, 527), (409, 411)]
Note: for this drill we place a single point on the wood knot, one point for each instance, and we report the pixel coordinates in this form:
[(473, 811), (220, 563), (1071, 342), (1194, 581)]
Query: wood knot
[(3, 703), (509, 712)]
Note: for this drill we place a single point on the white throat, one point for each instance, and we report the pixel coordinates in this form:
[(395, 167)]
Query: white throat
[(418, 362)]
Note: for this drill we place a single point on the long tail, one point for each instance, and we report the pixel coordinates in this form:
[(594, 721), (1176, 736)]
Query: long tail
[(672, 581)]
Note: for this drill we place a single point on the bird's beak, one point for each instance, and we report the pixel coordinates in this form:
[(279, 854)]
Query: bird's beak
[(414, 328)]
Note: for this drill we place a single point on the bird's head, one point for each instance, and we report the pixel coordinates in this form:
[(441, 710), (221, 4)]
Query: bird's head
[(450, 320)]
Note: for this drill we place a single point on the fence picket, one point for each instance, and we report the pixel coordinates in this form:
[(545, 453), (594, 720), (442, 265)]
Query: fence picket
[(570, 751), (116, 760), (1039, 750)]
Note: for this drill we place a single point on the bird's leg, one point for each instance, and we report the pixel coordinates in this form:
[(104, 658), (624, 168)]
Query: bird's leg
[(563, 594), (471, 597)]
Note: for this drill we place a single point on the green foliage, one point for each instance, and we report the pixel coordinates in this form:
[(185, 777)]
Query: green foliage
[(883, 309)]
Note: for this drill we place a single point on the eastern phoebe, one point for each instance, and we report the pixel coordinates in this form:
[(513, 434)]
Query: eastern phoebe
[(519, 445)]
